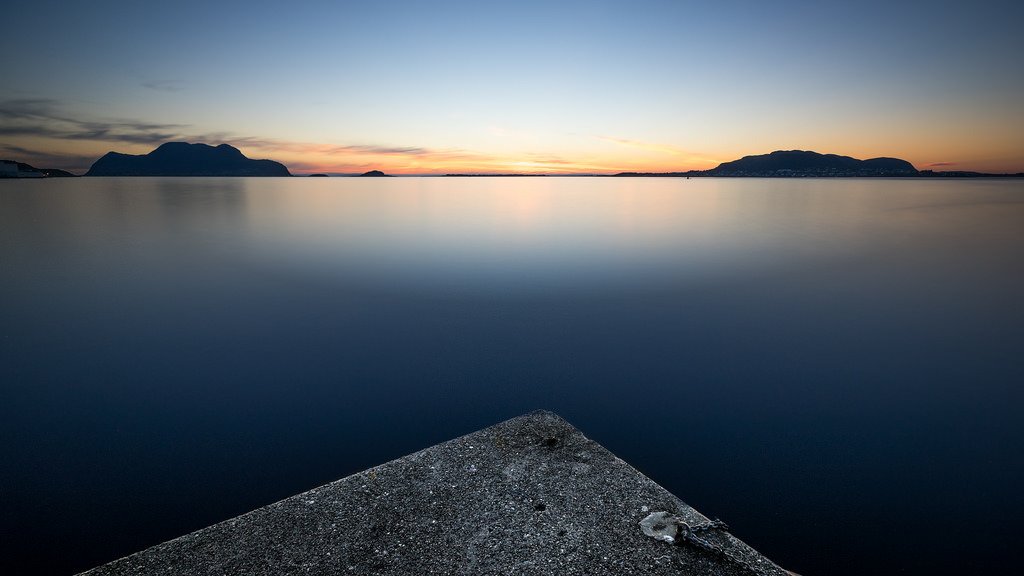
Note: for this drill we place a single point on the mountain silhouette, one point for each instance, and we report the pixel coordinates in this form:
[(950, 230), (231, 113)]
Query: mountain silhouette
[(799, 163), (184, 159), (807, 163)]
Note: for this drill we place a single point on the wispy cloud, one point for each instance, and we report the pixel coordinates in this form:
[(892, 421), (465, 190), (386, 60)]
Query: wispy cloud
[(353, 155), (679, 157), (649, 146), (939, 164), (503, 132), (44, 118), (539, 162), (163, 85), (76, 163), (33, 119), (20, 108)]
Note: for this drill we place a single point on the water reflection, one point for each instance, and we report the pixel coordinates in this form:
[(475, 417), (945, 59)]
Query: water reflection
[(544, 231), (839, 353)]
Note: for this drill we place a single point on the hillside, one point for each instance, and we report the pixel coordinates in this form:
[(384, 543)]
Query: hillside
[(184, 159)]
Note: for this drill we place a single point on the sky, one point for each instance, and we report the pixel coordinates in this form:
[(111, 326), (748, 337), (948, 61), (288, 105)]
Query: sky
[(515, 87)]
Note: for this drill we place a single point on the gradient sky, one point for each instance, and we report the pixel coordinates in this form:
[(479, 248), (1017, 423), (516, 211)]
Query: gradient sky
[(435, 87)]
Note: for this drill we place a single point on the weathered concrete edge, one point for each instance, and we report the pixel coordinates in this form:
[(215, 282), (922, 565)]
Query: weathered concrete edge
[(535, 418)]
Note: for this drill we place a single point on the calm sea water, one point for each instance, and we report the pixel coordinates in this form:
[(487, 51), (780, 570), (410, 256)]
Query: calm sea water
[(834, 367)]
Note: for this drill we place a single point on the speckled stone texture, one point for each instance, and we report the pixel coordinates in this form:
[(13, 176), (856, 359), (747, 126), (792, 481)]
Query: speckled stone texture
[(531, 495)]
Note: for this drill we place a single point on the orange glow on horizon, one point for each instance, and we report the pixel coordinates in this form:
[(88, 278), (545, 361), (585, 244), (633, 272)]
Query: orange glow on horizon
[(326, 159), (598, 155), (625, 156)]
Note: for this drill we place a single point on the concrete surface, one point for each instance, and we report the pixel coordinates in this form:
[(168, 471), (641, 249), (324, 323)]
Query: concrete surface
[(531, 495)]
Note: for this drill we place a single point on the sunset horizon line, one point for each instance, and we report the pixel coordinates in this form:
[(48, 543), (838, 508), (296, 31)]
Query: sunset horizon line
[(47, 131), (395, 160)]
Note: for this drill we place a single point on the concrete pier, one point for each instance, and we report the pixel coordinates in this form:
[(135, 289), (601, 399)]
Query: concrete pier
[(531, 495)]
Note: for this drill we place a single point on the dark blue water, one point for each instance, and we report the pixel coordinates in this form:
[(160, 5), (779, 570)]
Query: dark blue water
[(834, 367)]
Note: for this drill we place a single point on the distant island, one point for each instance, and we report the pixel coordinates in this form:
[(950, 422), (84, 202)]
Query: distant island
[(808, 164), (375, 174), (184, 159)]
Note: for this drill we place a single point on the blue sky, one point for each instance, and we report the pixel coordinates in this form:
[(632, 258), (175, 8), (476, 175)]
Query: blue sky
[(422, 87)]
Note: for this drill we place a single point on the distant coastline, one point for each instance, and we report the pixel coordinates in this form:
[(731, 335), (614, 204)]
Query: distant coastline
[(920, 174), (187, 159), (13, 169), (703, 174), (808, 164), (492, 175)]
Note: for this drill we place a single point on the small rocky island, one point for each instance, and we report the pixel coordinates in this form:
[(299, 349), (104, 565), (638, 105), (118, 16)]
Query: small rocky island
[(185, 159), (375, 174)]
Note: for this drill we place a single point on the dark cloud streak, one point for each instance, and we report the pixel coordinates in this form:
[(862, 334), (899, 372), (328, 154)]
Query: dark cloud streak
[(24, 108), (46, 118), (72, 162), (163, 85), (40, 117)]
